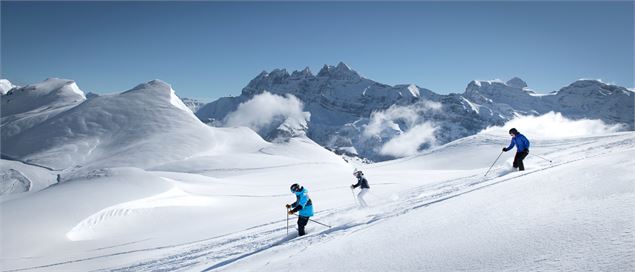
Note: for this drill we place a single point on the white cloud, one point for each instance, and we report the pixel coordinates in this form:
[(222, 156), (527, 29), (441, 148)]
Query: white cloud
[(408, 143), (408, 115), (554, 126), (405, 127), (262, 110)]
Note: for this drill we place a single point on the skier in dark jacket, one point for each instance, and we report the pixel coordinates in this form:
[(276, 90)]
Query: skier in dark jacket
[(303, 204), (522, 148), (363, 184)]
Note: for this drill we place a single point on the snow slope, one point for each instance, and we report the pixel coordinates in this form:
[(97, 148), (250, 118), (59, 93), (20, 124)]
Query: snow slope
[(435, 211), (565, 217), (105, 211)]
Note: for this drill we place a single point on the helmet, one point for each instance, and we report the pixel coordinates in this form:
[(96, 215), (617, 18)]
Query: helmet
[(357, 173), (513, 131), (295, 188)]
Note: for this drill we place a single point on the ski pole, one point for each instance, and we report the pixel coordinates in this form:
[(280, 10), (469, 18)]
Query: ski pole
[(490, 168), (541, 157), (320, 223), (287, 221)]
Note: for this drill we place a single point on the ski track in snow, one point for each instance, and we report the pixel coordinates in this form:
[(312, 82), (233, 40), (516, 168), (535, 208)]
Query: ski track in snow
[(221, 251)]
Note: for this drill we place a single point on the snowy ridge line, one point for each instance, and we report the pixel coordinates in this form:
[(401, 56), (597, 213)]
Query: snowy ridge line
[(7, 157)]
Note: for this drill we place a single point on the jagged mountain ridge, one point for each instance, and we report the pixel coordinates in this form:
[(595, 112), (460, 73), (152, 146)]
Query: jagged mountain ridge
[(341, 103)]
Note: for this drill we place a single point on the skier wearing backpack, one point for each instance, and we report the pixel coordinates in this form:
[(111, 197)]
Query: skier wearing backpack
[(522, 148), (363, 184), (303, 204)]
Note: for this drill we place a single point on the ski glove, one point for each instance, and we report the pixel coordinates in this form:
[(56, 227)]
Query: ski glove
[(288, 206), (290, 212), (352, 186), (505, 149)]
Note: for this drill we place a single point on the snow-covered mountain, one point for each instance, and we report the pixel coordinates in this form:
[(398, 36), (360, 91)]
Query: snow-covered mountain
[(5, 86), (52, 124), (354, 115), (25, 107), (50, 128), (590, 99), (193, 104)]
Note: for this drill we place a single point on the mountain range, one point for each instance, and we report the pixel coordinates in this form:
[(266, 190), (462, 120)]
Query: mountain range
[(356, 116), (343, 111)]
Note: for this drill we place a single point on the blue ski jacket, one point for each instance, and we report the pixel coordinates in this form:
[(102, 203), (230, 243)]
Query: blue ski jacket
[(521, 143), (303, 203)]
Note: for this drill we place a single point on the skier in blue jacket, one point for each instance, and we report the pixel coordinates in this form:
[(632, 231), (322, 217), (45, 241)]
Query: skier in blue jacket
[(303, 204), (522, 148)]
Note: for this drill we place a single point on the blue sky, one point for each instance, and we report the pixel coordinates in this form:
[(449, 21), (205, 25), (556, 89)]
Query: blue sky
[(211, 49)]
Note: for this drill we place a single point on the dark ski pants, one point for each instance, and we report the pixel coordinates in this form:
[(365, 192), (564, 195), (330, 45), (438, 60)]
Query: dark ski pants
[(518, 159), (302, 221)]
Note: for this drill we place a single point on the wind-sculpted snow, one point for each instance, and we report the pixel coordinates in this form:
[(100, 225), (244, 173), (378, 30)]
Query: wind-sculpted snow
[(29, 106), (342, 104), (51, 93), (114, 218)]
